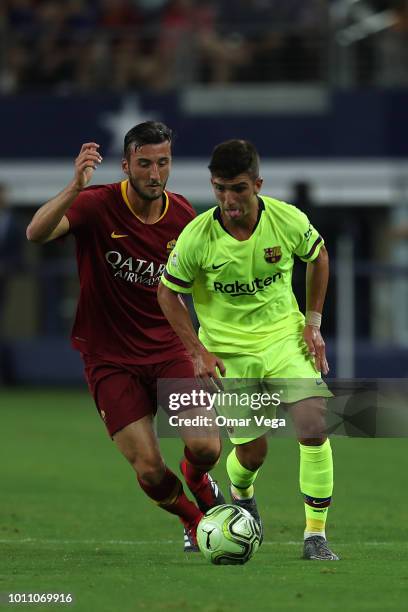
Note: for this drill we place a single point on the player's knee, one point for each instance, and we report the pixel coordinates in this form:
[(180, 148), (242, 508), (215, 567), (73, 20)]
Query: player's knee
[(253, 454), (313, 440), (151, 473), (207, 450), (149, 468), (312, 429), (253, 461)]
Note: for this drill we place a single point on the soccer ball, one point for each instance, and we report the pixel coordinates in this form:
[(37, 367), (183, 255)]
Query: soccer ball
[(228, 535)]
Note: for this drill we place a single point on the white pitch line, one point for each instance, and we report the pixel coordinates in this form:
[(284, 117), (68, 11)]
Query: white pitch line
[(90, 542), (163, 542)]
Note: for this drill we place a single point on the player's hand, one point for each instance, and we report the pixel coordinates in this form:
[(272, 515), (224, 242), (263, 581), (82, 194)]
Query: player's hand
[(208, 366), (86, 163), (316, 348)]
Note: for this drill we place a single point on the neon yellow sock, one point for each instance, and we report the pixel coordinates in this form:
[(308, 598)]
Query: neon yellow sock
[(241, 478), (316, 485)]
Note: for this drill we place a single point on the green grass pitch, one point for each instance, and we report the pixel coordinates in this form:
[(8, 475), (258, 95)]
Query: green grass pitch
[(74, 521)]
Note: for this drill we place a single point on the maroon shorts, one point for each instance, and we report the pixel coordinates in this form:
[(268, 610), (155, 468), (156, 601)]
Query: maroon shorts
[(126, 393)]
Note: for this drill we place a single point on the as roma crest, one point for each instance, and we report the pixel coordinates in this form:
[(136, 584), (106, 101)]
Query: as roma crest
[(170, 245), (273, 254)]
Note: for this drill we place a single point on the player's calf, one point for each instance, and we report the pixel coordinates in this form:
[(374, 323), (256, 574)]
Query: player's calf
[(205, 489)]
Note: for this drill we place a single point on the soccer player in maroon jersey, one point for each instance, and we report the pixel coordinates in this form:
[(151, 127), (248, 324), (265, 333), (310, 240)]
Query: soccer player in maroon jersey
[(124, 232)]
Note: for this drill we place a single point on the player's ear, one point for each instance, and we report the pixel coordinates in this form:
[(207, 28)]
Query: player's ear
[(258, 184), (125, 165)]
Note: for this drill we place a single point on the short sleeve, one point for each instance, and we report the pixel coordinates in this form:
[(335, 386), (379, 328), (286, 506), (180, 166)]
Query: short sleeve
[(307, 239), (80, 211), (183, 264)]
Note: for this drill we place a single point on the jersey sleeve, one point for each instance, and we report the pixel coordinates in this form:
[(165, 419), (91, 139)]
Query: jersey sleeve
[(183, 264), (308, 241), (80, 211)]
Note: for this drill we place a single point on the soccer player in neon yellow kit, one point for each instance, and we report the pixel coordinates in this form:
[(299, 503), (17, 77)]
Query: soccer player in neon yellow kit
[(236, 259)]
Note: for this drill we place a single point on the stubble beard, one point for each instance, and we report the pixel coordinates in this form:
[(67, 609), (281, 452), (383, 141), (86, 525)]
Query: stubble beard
[(149, 197)]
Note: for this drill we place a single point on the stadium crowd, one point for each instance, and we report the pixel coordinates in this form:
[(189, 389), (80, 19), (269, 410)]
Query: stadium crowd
[(86, 45)]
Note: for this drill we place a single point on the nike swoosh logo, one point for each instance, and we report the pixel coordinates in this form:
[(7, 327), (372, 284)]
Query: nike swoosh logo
[(115, 235), (219, 265), (319, 381)]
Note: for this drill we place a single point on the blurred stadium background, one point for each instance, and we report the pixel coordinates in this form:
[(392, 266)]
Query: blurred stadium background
[(319, 86)]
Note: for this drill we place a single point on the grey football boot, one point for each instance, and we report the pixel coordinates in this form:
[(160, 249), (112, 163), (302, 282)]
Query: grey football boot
[(249, 504), (316, 548)]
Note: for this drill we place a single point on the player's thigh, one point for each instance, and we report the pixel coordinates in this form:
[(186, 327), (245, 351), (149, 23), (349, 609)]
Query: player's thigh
[(138, 443), (242, 366), (201, 435), (120, 393), (239, 402), (290, 371), (309, 418), (198, 428), (172, 377)]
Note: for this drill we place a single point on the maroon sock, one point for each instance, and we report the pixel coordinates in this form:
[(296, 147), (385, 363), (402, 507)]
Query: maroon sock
[(194, 470), (170, 496)]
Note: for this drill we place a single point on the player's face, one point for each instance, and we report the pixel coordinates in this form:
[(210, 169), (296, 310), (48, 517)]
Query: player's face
[(148, 169), (237, 197)]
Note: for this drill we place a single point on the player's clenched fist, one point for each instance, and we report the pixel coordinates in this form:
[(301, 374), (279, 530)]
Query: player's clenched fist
[(86, 163)]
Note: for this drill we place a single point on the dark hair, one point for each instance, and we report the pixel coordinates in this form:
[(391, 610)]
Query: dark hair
[(234, 157), (149, 132)]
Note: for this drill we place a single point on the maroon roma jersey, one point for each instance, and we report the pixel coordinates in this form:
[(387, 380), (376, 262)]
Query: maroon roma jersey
[(120, 262)]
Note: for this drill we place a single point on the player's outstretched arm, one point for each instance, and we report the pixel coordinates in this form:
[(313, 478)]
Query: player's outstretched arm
[(50, 222), (206, 365), (317, 276)]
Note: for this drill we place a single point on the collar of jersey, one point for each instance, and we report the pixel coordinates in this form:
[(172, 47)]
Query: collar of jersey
[(123, 188), (217, 216)]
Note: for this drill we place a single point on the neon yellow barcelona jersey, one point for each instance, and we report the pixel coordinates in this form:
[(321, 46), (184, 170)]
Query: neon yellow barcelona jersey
[(242, 290)]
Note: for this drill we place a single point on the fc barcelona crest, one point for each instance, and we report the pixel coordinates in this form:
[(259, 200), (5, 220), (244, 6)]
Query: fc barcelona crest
[(273, 254), (170, 245)]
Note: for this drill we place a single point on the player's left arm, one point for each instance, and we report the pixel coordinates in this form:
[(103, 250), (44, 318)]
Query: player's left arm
[(317, 277)]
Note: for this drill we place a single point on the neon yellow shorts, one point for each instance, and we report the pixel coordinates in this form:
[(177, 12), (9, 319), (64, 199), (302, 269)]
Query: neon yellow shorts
[(255, 384)]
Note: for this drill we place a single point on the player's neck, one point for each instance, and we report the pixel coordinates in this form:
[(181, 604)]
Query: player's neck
[(148, 211), (242, 229)]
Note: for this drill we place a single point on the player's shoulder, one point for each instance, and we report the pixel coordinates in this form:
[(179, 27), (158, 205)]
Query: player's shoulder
[(279, 208), (101, 192), (272, 204), (181, 205)]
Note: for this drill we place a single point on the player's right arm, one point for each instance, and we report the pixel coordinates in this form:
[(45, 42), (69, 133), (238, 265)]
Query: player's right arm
[(182, 268), (50, 222), (205, 363)]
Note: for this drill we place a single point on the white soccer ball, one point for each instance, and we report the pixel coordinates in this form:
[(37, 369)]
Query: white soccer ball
[(228, 535)]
